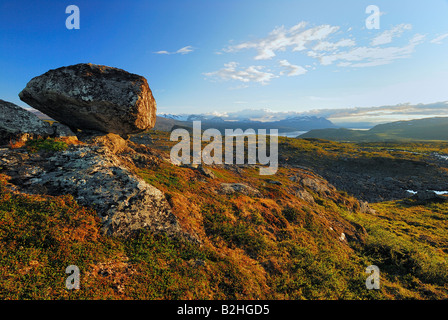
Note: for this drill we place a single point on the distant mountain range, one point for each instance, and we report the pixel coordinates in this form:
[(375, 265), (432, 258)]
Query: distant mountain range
[(368, 117), (289, 124), (435, 128), (421, 129), (345, 117), (263, 115)]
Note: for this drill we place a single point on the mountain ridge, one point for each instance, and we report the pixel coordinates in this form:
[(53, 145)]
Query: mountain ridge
[(435, 128), (289, 124)]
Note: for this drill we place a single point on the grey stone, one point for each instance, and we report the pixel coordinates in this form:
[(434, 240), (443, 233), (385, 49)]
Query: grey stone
[(230, 188), (206, 172), (94, 97), (96, 178), (317, 185), (305, 195), (365, 208), (278, 183), (61, 130), (18, 124), (427, 195)]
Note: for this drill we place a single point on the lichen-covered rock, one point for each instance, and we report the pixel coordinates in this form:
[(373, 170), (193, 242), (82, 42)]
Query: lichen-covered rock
[(230, 188), (18, 124), (97, 178), (61, 130), (94, 97), (206, 172), (304, 195), (365, 208), (320, 186)]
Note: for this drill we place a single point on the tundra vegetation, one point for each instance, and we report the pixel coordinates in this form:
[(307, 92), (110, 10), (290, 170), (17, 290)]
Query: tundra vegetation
[(282, 243)]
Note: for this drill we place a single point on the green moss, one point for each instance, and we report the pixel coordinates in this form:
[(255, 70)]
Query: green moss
[(237, 233), (405, 242), (48, 144)]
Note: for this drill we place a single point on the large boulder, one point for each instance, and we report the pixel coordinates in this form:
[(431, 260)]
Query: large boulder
[(18, 124), (94, 97)]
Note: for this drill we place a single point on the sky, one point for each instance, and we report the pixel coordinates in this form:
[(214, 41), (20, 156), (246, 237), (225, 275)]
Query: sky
[(215, 56)]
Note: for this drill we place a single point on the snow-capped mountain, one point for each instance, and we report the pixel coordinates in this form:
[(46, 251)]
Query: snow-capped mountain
[(247, 115), (256, 119)]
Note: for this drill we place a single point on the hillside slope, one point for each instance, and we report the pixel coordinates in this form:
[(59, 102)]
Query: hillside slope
[(422, 129), (290, 236)]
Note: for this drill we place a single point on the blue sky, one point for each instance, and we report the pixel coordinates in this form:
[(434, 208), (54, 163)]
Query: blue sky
[(203, 56)]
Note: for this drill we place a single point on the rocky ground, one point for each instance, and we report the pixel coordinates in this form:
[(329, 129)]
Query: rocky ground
[(95, 176), (374, 176), (102, 173)]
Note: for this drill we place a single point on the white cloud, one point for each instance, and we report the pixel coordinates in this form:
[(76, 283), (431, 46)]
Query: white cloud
[(387, 36), (246, 75), (439, 39), (184, 50), (291, 70), (162, 52), (383, 114), (324, 43), (296, 38), (369, 56), (331, 46)]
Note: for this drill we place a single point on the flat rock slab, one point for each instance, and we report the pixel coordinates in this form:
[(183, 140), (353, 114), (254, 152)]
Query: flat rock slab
[(95, 178), (94, 97)]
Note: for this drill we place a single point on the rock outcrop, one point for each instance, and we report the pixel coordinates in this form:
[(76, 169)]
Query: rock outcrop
[(97, 178), (93, 97), (17, 124)]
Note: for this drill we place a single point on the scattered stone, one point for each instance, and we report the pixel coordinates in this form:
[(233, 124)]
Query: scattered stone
[(197, 263), (93, 97), (230, 188), (365, 208), (207, 172), (20, 125), (305, 195), (320, 186), (278, 183)]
